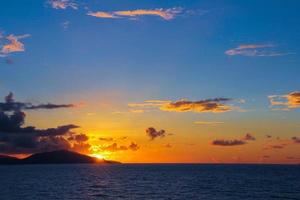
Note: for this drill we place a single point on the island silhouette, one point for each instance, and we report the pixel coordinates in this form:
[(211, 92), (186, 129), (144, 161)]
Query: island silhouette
[(54, 157)]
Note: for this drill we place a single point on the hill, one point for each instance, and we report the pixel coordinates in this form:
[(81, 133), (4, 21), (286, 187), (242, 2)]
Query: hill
[(55, 157)]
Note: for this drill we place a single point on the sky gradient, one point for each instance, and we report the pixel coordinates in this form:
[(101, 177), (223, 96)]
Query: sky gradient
[(152, 81)]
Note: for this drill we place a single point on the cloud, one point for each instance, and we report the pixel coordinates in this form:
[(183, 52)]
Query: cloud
[(268, 136), (166, 14), (153, 133), (208, 122), (13, 45), (296, 140), (17, 139), (168, 145), (65, 25), (63, 4), (133, 146), (222, 142), (10, 105), (260, 50), (248, 136), (100, 14), (285, 102), (107, 139), (215, 105), (277, 146), (115, 147)]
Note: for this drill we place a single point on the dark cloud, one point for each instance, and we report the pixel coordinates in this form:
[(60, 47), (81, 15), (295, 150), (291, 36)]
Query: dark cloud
[(133, 146), (268, 136), (11, 105), (248, 136), (223, 142), (296, 140), (15, 138), (153, 133)]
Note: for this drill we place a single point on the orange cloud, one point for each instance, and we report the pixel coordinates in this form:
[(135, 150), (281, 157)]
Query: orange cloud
[(166, 14), (62, 4), (216, 105), (14, 44), (102, 14), (210, 105), (285, 102), (208, 122), (260, 50)]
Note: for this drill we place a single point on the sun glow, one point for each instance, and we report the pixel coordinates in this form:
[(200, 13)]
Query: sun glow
[(98, 156)]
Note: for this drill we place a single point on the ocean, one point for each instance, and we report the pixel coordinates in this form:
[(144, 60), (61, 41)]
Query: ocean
[(150, 181)]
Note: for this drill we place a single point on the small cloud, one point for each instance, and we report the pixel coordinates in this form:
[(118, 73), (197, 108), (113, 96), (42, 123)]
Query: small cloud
[(266, 156), (252, 50), (13, 45), (137, 111), (100, 14), (248, 136), (222, 142), (63, 4), (65, 25), (268, 136), (277, 146), (285, 102), (168, 145), (296, 140), (208, 122), (107, 139), (153, 133), (166, 14), (133, 146)]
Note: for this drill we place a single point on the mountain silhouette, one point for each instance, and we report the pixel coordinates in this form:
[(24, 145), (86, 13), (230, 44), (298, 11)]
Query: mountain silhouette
[(54, 157)]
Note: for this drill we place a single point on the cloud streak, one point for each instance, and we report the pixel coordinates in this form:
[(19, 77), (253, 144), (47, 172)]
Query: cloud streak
[(222, 142), (63, 4), (285, 102), (166, 14), (215, 105), (255, 50)]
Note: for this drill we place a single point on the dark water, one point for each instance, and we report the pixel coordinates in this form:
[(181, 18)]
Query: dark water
[(149, 182)]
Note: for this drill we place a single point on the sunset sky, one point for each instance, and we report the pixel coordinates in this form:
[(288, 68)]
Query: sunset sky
[(197, 81)]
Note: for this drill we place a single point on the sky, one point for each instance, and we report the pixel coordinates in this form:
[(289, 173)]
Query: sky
[(194, 81)]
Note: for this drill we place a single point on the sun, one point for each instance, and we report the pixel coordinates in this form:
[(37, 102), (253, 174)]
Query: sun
[(98, 156)]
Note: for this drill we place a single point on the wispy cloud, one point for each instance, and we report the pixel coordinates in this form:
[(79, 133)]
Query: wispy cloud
[(13, 44), (260, 50), (285, 102), (215, 105), (63, 4), (208, 122), (100, 14), (166, 14)]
